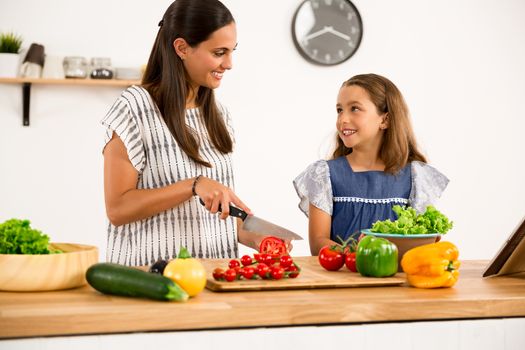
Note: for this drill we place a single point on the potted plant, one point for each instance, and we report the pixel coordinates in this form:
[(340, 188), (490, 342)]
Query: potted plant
[(9, 54)]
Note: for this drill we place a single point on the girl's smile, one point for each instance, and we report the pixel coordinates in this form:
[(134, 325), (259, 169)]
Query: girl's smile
[(348, 132)]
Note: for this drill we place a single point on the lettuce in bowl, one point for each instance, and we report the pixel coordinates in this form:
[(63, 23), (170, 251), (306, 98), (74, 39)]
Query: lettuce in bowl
[(410, 223), (17, 237)]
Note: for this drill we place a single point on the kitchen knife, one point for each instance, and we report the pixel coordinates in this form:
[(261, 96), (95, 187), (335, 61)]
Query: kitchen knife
[(252, 223)]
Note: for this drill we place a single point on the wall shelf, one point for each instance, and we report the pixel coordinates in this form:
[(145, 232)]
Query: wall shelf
[(28, 82)]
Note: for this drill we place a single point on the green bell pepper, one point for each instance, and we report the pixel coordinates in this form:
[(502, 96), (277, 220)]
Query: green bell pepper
[(376, 257)]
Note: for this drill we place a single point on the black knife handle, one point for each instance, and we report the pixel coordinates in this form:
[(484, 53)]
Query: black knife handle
[(234, 211)]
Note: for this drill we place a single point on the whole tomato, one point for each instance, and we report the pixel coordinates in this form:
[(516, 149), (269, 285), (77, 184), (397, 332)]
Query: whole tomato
[(234, 263), (230, 275), (276, 272), (350, 262), (246, 260), (286, 261), (262, 270), (248, 272), (293, 271), (218, 274), (331, 258)]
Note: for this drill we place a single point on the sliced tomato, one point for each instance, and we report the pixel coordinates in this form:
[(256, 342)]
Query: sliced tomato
[(273, 246)]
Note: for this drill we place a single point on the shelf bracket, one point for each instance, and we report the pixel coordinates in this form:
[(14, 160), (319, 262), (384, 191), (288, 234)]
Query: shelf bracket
[(27, 82), (26, 97)]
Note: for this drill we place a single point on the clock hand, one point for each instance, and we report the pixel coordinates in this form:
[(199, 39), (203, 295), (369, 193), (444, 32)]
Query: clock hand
[(316, 34), (337, 33)]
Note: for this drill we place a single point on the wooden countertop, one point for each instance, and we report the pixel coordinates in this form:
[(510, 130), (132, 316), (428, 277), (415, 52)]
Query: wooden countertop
[(85, 311)]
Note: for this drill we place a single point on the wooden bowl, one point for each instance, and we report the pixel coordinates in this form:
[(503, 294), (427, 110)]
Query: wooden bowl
[(44, 272), (405, 242)]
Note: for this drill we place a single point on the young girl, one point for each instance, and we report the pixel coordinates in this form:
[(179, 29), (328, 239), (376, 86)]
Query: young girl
[(168, 143), (376, 165)]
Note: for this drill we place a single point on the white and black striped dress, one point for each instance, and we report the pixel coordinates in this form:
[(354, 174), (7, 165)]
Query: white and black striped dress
[(159, 160)]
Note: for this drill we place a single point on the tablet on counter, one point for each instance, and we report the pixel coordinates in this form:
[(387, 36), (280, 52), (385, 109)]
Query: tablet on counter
[(511, 257)]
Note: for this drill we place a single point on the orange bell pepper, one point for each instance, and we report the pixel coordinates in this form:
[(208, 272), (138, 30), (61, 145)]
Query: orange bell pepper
[(432, 265)]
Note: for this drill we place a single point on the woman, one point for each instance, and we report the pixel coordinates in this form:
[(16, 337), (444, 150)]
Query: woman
[(168, 143)]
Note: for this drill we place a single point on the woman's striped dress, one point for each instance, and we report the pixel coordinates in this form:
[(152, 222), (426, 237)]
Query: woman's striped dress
[(159, 161)]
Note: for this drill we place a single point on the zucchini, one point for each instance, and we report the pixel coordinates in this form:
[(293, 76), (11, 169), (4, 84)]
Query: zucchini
[(122, 280)]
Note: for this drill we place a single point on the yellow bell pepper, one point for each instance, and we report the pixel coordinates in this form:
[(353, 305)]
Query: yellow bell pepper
[(432, 265), (187, 272)]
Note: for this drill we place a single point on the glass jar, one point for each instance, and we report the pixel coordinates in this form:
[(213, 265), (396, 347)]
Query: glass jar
[(75, 67), (101, 68)]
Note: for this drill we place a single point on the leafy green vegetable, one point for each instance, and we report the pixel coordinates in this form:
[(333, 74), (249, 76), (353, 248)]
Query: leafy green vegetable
[(17, 237), (410, 223)]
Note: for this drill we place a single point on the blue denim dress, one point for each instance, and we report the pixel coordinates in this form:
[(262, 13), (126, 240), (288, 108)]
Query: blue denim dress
[(355, 200), (362, 198)]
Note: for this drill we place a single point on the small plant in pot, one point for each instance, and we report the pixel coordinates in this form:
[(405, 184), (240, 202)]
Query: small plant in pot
[(10, 44)]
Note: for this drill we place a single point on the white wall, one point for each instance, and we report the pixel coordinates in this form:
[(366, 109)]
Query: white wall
[(458, 63)]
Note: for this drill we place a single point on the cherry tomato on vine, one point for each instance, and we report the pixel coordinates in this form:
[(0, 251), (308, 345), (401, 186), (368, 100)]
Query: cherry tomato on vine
[(230, 275), (262, 270), (286, 261), (293, 271), (276, 272), (234, 263), (246, 260), (261, 266), (248, 272), (331, 257), (218, 274), (350, 262)]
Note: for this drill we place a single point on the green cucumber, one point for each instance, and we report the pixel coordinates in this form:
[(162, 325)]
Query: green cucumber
[(122, 280)]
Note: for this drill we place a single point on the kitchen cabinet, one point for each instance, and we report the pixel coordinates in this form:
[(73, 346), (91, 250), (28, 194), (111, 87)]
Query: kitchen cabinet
[(28, 82)]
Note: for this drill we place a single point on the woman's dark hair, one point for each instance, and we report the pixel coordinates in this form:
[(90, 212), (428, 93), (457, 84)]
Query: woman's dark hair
[(399, 145), (168, 83)]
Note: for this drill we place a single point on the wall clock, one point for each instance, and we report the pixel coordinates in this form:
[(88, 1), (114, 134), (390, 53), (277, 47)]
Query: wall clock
[(327, 32)]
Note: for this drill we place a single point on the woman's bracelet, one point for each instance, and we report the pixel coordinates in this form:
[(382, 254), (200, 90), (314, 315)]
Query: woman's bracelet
[(195, 184)]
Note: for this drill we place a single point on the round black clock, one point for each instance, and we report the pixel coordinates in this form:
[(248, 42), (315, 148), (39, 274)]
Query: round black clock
[(327, 32)]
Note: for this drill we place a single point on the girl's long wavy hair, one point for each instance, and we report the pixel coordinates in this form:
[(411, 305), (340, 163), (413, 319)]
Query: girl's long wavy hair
[(167, 80), (398, 146)]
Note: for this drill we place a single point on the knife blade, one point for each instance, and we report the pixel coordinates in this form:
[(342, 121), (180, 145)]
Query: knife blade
[(252, 223)]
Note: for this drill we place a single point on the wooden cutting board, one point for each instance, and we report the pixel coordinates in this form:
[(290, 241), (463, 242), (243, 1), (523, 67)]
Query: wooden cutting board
[(312, 276)]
